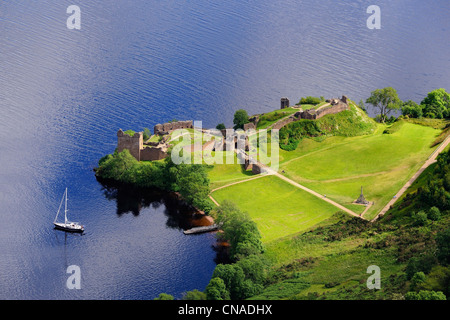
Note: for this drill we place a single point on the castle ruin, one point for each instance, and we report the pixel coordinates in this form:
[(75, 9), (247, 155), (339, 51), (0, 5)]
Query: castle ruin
[(150, 151)]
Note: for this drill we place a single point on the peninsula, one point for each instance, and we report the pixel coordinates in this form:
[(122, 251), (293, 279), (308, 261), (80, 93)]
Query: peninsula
[(339, 174)]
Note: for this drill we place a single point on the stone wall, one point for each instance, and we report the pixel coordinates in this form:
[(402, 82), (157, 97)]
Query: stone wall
[(249, 126), (337, 105), (336, 108), (171, 126), (280, 124), (152, 154)]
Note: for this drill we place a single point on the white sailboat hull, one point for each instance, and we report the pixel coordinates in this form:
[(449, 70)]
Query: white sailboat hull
[(69, 226)]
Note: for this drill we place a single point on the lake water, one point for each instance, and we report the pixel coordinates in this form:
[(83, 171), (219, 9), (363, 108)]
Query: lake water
[(65, 93)]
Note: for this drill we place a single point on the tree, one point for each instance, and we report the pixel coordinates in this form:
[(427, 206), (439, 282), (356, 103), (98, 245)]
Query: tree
[(385, 100), (240, 118), (233, 276), (164, 296), (420, 264), (420, 218), (362, 106), (311, 100), (216, 290), (254, 267), (443, 247), (434, 214), (220, 126), (147, 134), (118, 166), (239, 284), (417, 279), (193, 184), (240, 231), (412, 109), (437, 104)]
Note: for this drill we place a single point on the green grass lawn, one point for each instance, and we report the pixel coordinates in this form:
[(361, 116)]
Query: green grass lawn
[(278, 208), (381, 163), (223, 174)]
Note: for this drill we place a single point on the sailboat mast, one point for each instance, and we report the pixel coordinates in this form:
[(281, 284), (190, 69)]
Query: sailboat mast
[(59, 209), (65, 209)]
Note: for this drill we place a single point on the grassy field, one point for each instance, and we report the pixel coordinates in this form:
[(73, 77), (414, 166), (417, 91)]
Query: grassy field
[(224, 174), (336, 167), (381, 163), (278, 208)]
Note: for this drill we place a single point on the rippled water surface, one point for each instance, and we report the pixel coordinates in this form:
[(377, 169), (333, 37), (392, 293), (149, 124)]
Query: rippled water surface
[(65, 93)]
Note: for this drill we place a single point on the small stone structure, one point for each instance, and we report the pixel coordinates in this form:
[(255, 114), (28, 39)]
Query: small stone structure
[(249, 126), (134, 143), (141, 152), (337, 105), (361, 199), (150, 151), (284, 103)]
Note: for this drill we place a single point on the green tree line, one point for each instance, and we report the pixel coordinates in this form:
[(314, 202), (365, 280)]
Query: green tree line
[(191, 181)]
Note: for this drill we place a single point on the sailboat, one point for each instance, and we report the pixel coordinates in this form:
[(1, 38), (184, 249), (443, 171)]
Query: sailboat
[(67, 225)]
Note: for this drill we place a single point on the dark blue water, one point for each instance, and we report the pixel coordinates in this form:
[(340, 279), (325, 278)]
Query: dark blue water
[(65, 93)]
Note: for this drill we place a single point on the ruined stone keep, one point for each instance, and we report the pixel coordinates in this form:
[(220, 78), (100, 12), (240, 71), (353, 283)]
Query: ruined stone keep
[(284, 103)]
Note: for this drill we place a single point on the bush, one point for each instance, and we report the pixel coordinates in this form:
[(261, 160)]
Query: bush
[(164, 296), (418, 278), (293, 133), (420, 264), (241, 232), (412, 109), (443, 247), (191, 181), (130, 133), (147, 134), (434, 214), (220, 126), (310, 100), (419, 218), (216, 290), (425, 295), (194, 295)]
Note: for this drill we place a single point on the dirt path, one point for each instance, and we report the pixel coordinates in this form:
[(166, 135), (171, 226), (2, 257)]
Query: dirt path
[(295, 184), (269, 171), (240, 181), (214, 200), (430, 160)]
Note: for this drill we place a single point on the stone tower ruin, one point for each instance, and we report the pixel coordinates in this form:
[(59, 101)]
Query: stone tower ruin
[(134, 143), (284, 103)]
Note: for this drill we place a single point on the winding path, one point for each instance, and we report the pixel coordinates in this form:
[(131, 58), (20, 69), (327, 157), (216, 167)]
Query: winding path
[(295, 184), (431, 159)]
